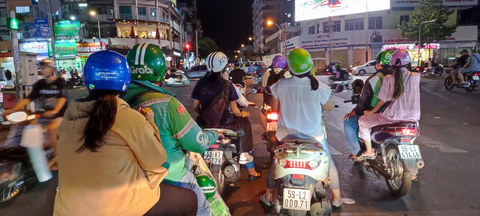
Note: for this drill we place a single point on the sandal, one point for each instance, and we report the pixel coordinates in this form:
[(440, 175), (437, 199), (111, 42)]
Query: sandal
[(263, 199), (367, 157), (254, 177)]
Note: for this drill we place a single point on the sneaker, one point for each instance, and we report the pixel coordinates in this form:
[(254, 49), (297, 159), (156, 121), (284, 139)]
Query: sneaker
[(245, 158)]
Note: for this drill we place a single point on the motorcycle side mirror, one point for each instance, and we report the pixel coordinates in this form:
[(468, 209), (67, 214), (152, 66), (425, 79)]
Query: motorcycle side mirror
[(357, 86), (337, 88)]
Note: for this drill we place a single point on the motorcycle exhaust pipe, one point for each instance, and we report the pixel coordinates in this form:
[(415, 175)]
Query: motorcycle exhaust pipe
[(420, 164)]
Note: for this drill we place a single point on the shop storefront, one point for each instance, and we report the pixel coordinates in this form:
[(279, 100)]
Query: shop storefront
[(66, 55), (428, 51), (84, 49)]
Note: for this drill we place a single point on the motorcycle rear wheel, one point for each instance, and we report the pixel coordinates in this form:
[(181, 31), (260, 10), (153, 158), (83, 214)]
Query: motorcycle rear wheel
[(296, 212), (399, 185), (471, 88)]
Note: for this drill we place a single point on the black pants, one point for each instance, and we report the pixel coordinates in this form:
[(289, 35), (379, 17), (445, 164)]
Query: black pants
[(174, 201), (244, 130)]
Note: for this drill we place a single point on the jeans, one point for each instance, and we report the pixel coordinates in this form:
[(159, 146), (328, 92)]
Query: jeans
[(351, 126), (188, 181), (174, 201), (332, 173)]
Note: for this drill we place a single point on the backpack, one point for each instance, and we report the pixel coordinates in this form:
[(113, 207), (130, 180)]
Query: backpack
[(217, 113)]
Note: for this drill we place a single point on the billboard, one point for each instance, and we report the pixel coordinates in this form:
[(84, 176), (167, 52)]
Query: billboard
[(412, 3), (316, 9)]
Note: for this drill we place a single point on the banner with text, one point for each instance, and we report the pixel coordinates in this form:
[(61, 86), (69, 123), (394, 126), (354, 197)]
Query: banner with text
[(413, 3)]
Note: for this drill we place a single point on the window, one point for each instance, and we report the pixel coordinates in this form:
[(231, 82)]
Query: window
[(375, 23), (335, 26), (153, 12), (142, 11), (126, 12), (404, 18), (318, 28), (77, 11), (354, 24), (23, 10), (311, 30)]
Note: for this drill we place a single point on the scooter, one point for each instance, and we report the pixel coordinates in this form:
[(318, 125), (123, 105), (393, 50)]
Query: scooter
[(398, 159), (435, 71), (301, 171), (180, 79), (471, 82), (257, 78), (22, 163)]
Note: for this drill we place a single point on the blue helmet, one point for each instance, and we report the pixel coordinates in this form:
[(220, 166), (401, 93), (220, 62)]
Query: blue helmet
[(106, 70)]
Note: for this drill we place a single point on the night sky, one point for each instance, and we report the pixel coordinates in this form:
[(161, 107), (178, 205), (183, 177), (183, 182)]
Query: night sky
[(230, 25)]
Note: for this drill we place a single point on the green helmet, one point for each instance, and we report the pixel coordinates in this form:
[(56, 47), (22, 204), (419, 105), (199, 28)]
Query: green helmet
[(147, 62), (207, 185), (384, 58), (299, 61)]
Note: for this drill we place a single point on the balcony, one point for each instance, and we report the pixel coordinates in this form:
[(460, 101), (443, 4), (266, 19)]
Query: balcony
[(126, 16), (105, 17), (130, 42), (176, 27)]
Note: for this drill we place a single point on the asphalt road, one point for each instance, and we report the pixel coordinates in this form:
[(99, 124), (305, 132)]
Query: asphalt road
[(450, 134)]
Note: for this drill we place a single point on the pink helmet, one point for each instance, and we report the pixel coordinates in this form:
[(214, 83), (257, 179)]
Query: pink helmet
[(400, 58)]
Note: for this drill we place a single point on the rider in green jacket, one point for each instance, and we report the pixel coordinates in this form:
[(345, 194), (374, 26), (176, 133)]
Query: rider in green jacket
[(178, 131)]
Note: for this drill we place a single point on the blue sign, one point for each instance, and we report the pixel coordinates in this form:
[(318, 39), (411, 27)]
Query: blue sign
[(43, 32), (41, 21), (33, 30), (34, 2)]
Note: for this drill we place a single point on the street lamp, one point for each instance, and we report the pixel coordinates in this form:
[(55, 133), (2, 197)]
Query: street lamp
[(420, 37), (243, 45), (72, 17), (93, 13), (250, 38), (269, 23)]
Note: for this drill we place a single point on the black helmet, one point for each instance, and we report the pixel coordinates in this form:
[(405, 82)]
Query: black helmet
[(236, 64)]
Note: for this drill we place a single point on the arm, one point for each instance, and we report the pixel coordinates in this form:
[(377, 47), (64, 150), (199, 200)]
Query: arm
[(329, 106), (196, 106), (275, 103), (60, 104), (377, 107), (150, 154), (242, 101), (235, 110), (186, 131)]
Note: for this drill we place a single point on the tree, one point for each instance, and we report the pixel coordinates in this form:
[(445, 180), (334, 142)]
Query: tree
[(436, 31), (206, 46)]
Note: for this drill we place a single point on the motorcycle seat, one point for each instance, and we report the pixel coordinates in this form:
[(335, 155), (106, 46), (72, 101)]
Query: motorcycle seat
[(401, 124)]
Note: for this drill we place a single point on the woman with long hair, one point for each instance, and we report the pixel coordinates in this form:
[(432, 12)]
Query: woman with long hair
[(300, 101), (402, 90), (110, 156)]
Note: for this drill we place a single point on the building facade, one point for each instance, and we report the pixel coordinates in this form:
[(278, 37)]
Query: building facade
[(277, 11)]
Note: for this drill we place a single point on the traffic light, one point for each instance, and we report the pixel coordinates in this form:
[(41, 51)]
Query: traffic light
[(13, 23), (187, 46)]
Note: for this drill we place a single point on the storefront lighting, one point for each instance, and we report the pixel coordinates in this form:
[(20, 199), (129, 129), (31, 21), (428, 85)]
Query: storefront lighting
[(72, 17), (82, 4)]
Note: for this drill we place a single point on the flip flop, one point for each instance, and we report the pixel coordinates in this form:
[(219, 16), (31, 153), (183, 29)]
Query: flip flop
[(366, 157)]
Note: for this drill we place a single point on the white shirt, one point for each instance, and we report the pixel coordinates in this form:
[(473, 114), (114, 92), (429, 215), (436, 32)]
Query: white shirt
[(300, 107)]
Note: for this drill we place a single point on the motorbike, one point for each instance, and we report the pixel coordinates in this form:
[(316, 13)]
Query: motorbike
[(471, 82), (180, 79), (435, 71), (301, 170), (398, 159), (257, 78), (241, 87), (22, 163)]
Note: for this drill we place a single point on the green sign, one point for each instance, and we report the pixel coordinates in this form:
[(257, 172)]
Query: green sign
[(66, 28), (64, 49), (12, 23)]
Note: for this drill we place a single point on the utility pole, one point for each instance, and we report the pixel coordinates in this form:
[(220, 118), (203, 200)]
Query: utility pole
[(366, 30), (52, 36), (197, 59), (331, 55), (16, 58)]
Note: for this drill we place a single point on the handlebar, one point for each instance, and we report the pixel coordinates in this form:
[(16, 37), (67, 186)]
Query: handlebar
[(347, 101)]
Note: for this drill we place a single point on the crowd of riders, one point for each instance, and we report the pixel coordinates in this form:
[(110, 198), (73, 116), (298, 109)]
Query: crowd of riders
[(121, 150)]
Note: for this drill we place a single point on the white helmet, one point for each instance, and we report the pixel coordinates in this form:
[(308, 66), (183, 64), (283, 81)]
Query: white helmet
[(216, 62)]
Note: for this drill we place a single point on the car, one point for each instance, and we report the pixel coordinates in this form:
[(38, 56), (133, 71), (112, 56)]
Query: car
[(197, 71), (367, 68)]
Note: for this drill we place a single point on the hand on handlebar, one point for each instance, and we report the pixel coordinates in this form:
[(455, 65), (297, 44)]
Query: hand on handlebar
[(245, 114)]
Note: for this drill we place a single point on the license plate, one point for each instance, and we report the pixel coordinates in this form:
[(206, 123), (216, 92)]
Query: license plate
[(296, 199), (409, 152), (272, 126), (216, 157), (475, 77)]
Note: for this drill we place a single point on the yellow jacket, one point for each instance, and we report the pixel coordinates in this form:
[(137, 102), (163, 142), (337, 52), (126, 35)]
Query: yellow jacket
[(112, 181)]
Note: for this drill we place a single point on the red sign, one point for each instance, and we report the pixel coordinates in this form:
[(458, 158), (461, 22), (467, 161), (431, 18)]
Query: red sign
[(90, 47)]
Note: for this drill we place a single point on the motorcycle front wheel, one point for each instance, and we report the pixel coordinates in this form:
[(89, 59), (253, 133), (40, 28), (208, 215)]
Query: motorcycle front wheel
[(448, 83), (255, 80), (401, 180), (219, 179)]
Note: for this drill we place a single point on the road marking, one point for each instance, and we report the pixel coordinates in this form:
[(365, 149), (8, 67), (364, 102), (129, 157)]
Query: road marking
[(442, 147), (439, 95)]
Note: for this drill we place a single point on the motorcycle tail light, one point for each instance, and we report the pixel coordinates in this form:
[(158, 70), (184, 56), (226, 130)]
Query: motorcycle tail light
[(272, 116), (409, 131), (298, 177), (475, 74), (313, 164)]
